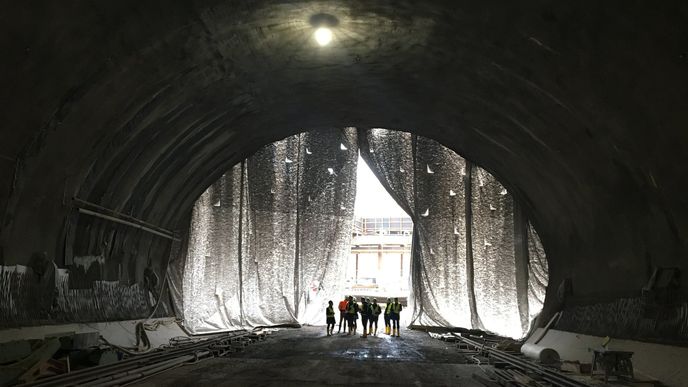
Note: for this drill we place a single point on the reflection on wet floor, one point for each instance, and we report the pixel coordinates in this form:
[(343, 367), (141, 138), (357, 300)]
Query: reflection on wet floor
[(379, 354), (380, 348), (312, 343), (307, 357)]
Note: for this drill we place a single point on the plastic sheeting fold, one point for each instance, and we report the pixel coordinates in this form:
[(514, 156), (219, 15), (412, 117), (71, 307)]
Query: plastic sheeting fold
[(494, 258)]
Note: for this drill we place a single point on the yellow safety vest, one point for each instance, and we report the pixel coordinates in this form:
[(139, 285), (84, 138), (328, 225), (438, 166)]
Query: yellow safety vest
[(351, 309), (376, 309), (330, 311), (396, 307), (388, 308)]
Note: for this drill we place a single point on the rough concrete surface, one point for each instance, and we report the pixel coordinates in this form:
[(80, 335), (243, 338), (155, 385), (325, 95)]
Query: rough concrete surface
[(307, 357), (577, 107)]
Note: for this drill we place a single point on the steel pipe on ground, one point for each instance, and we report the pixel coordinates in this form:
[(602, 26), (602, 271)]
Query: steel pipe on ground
[(542, 354)]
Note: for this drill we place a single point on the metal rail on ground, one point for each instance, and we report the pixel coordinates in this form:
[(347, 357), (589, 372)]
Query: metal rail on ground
[(546, 374), (139, 366)]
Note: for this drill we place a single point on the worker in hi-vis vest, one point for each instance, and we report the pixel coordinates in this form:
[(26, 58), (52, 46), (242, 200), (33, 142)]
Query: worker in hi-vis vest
[(388, 311), (365, 314), (329, 314), (394, 316), (351, 315), (342, 313), (375, 311)]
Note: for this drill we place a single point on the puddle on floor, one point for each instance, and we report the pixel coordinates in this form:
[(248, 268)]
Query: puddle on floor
[(372, 354)]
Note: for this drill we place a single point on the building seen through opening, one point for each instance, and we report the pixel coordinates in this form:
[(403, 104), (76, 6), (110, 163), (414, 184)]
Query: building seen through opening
[(380, 257), (379, 263)]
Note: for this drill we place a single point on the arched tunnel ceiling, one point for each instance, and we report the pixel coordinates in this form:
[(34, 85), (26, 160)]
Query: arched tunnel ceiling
[(579, 108)]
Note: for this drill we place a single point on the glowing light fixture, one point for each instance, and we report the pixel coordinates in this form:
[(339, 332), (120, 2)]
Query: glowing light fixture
[(323, 36)]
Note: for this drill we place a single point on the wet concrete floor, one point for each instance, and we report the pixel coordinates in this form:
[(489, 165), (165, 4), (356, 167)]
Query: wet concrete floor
[(307, 357)]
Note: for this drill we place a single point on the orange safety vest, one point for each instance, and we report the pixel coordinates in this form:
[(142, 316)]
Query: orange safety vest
[(396, 307), (342, 305)]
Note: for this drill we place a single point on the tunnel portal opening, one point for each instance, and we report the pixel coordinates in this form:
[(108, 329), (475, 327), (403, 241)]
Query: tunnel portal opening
[(379, 265), (271, 241)]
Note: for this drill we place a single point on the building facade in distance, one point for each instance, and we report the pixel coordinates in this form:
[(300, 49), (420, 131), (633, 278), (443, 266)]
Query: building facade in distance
[(378, 265)]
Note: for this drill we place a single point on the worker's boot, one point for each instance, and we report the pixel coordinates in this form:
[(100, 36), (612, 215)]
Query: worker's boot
[(365, 332), (398, 330), (386, 329)]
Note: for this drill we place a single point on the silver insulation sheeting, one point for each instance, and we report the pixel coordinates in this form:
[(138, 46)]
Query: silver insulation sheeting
[(425, 178), (464, 263), (538, 273), (269, 241), (494, 258)]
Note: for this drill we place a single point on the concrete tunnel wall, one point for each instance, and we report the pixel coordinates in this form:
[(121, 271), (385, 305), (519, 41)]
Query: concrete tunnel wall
[(579, 109)]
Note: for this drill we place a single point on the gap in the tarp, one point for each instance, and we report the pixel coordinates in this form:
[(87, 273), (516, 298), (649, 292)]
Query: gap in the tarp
[(244, 267), (379, 264)]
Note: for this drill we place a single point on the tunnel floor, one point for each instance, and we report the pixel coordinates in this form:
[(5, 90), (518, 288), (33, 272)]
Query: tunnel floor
[(306, 356)]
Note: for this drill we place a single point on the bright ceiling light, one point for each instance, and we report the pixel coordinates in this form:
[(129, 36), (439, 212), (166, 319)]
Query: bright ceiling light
[(323, 36)]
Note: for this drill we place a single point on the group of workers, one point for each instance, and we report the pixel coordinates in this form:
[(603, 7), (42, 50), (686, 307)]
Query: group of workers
[(369, 310)]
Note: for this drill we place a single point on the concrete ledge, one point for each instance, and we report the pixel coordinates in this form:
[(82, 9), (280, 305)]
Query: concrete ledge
[(122, 333), (662, 362)]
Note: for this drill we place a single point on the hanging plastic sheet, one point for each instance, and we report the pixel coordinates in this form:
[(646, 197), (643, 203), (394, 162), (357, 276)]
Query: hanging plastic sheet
[(426, 179), (268, 242), (463, 260), (494, 258), (537, 273)]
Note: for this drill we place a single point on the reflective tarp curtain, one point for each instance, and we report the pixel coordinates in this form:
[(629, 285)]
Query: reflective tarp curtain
[(464, 260), (494, 259), (537, 273), (268, 242)]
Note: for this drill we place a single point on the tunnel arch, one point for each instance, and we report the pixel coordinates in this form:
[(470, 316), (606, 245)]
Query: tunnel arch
[(309, 176), (138, 107)]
